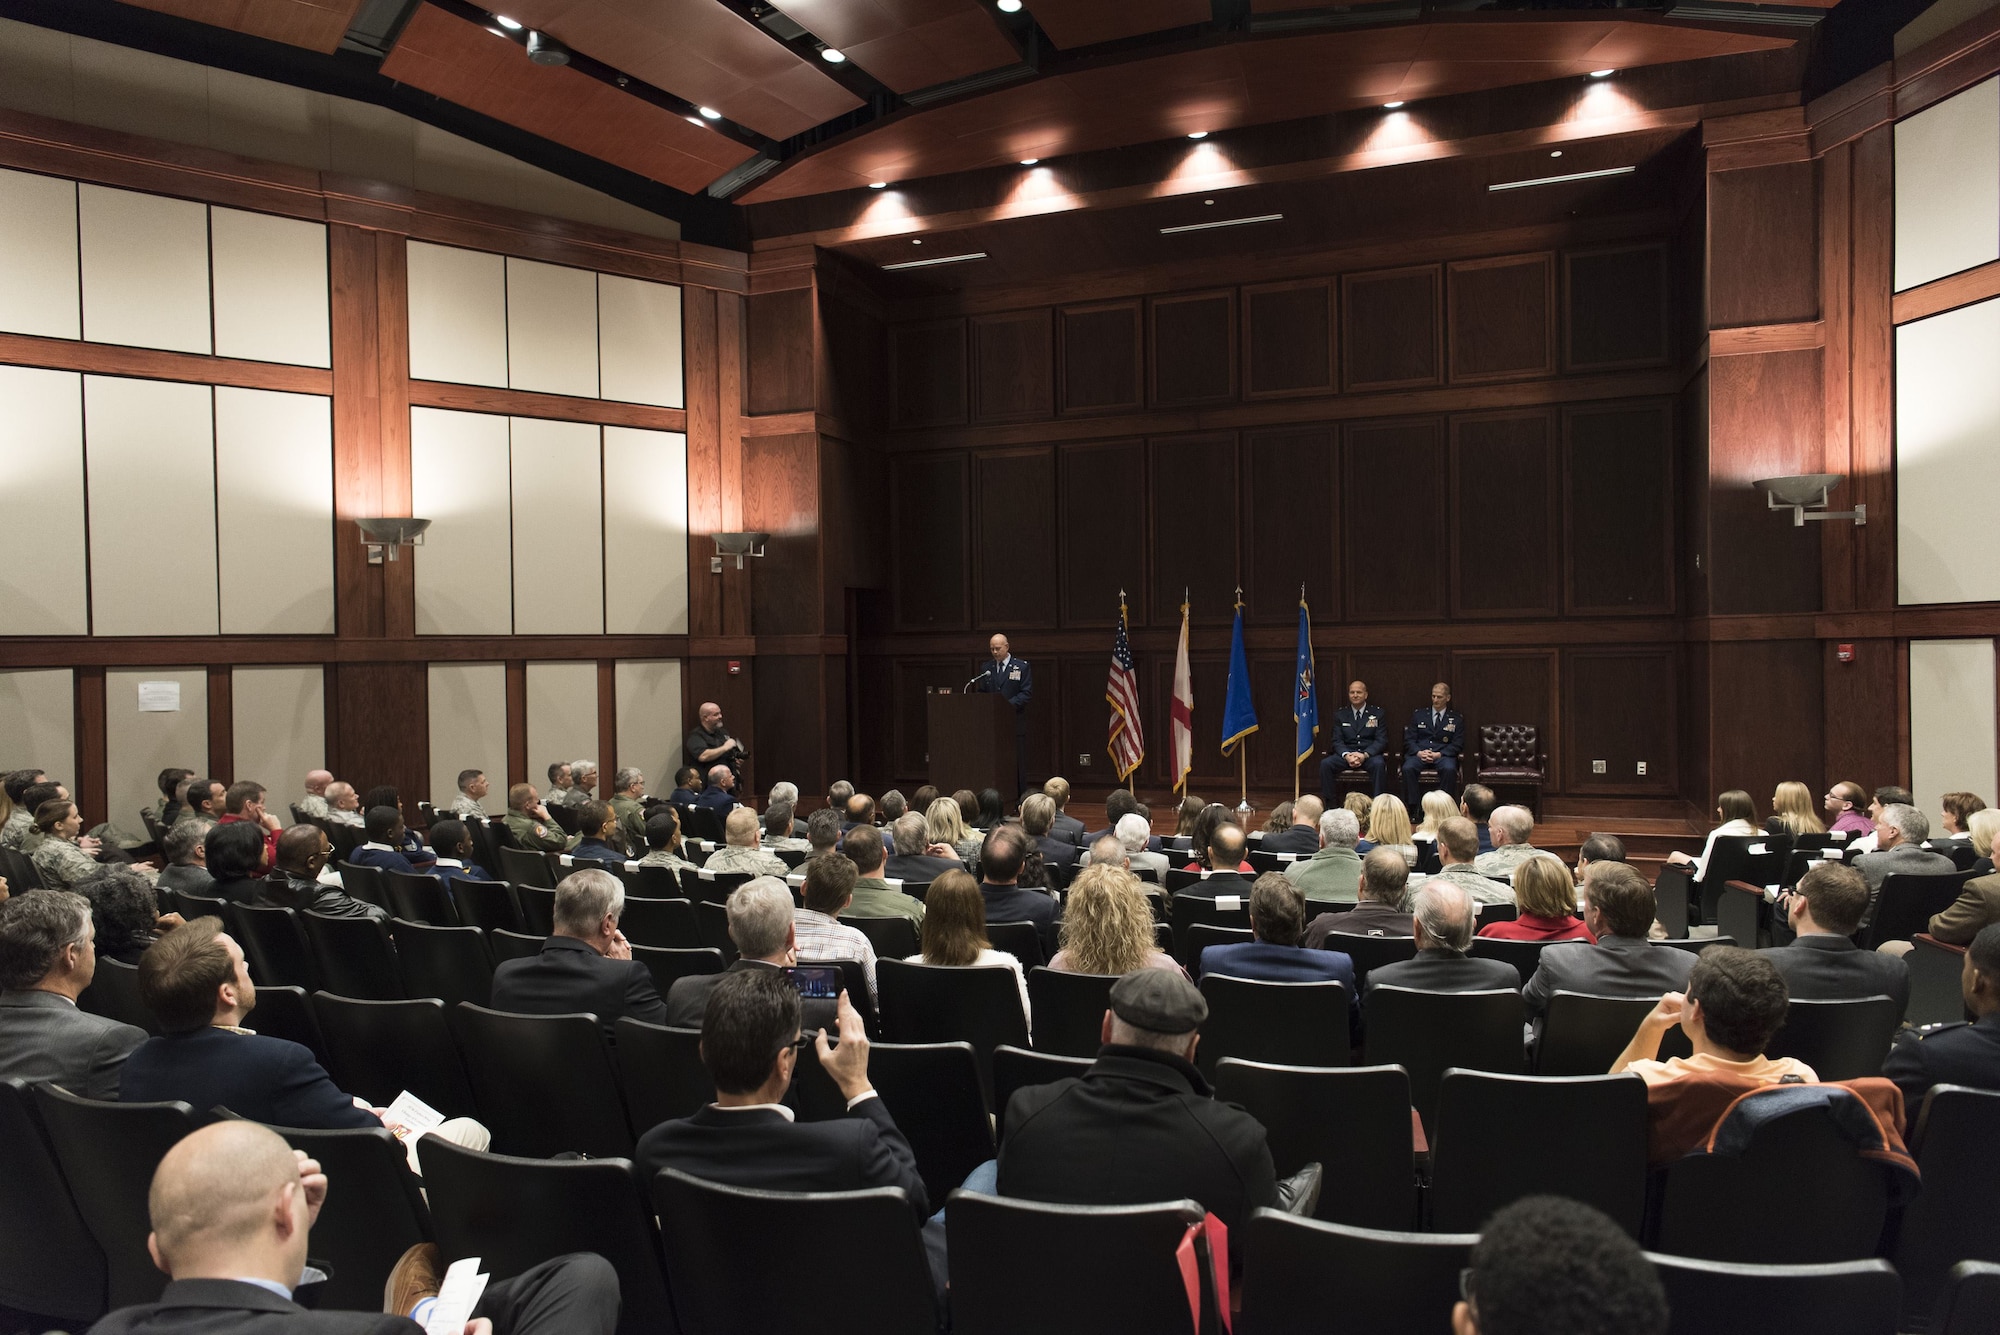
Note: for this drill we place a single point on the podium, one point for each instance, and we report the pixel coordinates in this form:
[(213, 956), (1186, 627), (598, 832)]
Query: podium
[(971, 741)]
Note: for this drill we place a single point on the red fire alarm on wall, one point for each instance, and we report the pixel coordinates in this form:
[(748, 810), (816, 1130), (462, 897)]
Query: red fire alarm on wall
[(1843, 653), (736, 666)]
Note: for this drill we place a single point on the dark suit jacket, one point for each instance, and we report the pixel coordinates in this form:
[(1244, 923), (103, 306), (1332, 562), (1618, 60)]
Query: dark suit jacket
[(1017, 682), (1263, 962), (1944, 1054), (1059, 852), (1833, 968), (284, 891), (1219, 883), (1367, 918), (1068, 828), (388, 859), (45, 1037), (1617, 966), (1303, 839), (1011, 903), (717, 800), (760, 1149), (687, 1000), (1441, 971), (471, 871), (270, 1080), (194, 880), (568, 977), (231, 1307), (919, 867)]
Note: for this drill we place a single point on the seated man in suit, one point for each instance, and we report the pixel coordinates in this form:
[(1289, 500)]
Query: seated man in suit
[(915, 858), (1955, 1054), (750, 1029), (1433, 739), (385, 842), (1598, 848), (1007, 900), (1733, 1007), (233, 1207), (48, 956), (1302, 835), (1870, 839), (1225, 854), (1133, 833), (1038, 816), (1899, 829), (1066, 826), (1618, 910), (529, 824), (302, 855), (1513, 830), (1822, 963), (742, 851), (1978, 904), (874, 897), (587, 965), (196, 983), (186, 853), (1445, 919), (1333, 874), (720, 794), (760, 927), (1120, 804), (687, 787), (1384, 877), (860, 810), (1274, 955)]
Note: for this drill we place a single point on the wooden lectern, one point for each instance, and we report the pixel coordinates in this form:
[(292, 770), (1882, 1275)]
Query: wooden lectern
[(971, 741)]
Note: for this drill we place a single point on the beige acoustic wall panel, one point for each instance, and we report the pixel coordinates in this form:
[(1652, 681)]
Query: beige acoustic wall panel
[(150, 450), (645, 532), (458, 315), (551, 328), (270, 288), (468, 707), (140, 742), (38, 722), (1952, 735), (41, 503), (1948, 186), (278, 718), (1948, 457), (145, 269), (562, 718), (649, 718), (459, 481), (558, 528), (639, 341), (38, 265), (274, 512)]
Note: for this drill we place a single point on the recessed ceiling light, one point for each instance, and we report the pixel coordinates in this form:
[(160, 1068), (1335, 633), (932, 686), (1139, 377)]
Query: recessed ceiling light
[(1008, 6), (1556, 153), (695, 121), (1208, 201), (1198, 134), (878, 185), (511, 25), (1602, 74), (832, 56), (1391, 106), (1029, 162), (709, 113), (916, 241)]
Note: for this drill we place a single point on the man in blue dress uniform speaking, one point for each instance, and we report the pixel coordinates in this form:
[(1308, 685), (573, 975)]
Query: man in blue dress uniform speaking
[(1013, 678)]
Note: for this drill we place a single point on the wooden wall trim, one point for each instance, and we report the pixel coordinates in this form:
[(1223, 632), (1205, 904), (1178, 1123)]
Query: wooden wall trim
[(1949, 63), (784, 424), (1329, 637), (517, 724), (1757, 139), (171, 651), (557, 407), (92, 775), (1746, 339), (63, 354), (1948, 293), (607, 724), (221, 720)]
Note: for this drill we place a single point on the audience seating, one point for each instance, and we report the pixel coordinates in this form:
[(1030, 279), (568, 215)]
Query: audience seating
[(668, 965), (933, 1091), (486, 848), (715, 887), (1202, 935), (654, 883), (1022, 940), (1840, 1040), (1069, 1010), (1953, 1137), (378, 1049), (1583, 1034), (1723, 1298), (1291, 1024), (527, 867), (513, 945), (1367, 952), (419, 898), (1027, 1266), (515, 1213), (107, 1153), (275, 945), (50, 1263), (924, 1003), (114, 994), (1488, 914), (450, 963), (711, 922), (1188, 910), (660, 1072), (1694, 945), (1935, 969), (1491, 1145), (364, 883), (727, 1274), (565, 817), (354, 956), (198, 906), (19, 870), (666, 923), (1525, 956), (1352, 1121), (1970, 1302), (1018, 1068), (1300, 1276), (701, 823), (287, 1012), (544, 1084), (1428, 1032), (1906, 904), (892, 938)]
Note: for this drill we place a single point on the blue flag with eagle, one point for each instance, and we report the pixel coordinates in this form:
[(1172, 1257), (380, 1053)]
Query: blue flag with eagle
[(1305, 692)]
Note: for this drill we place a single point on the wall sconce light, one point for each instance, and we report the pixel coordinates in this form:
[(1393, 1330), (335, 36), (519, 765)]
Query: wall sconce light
[(738, 545), (383, 536), (1805, 496)]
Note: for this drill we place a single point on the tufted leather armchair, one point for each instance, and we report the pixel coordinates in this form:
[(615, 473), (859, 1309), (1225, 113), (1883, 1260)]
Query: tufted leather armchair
[(1510, 755)]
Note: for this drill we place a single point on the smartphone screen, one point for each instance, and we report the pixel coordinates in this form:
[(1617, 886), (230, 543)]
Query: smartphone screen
[(816, 980)]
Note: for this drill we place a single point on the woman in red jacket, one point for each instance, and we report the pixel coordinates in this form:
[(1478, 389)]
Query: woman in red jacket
[(1547, 899)]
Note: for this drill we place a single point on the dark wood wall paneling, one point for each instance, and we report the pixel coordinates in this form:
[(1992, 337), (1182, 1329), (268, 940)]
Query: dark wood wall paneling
[(1194, 516), (778, 364), (1193, 347), (1618, 306), (1394, 514), (927, 373), (1502, 318), (1619, 508), (1766, 717), (1621, 706), (1100, 356), (1288, 343), (1101, 494), (1013, 366), (929, 542), (1015, 553), (1503, 514), (1290, 506), (1390, 330), (781, 498)]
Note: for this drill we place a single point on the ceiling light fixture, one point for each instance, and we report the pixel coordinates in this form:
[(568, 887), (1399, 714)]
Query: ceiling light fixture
[(1556, 153), (1222, 222), (1029, 162), (916, 241), (546, 50), (1602, 74), (1008, 6), (709, 113), (1557, 180), (1198, 134), (832, 55), (511, 25), (940, 259), (1208, 201), (878, 185), (696, 121), (1391, 106)]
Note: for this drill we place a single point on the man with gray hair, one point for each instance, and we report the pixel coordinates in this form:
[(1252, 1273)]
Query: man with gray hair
[(343, 805), (760, 927), (1899, 829), (1134, 834), (788, 792), (1384, 877), (915, 858), (186, 848), (1107, 851), (892, 807), (823, 831), (1513, 829), (1332, 875), (1445, 921), (587, 965), (628, 786), (778, 827), (48, 955), (1038, 818), (582, 778), (743, 851), (716, 794)]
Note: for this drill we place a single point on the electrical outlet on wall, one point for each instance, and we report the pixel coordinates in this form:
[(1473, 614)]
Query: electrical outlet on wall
[(1597, 767), (1642, 767), (1084, 760)]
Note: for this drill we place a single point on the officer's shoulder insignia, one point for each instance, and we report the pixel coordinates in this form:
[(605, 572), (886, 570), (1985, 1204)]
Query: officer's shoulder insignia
[(541, 830), (1931, 1030)]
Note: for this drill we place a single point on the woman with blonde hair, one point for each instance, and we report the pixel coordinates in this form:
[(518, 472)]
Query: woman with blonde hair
[(1389, 826), (1438, 808), (1984, 827), (944, 824), (1107, 925), (1545, 892), (1793, 811), (954, 930)]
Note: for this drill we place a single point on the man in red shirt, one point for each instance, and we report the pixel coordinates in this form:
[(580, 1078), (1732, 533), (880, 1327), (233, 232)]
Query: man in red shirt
[(244, 801)]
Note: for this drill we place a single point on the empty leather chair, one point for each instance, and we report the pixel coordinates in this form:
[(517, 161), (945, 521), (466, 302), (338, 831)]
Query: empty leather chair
[(488, 905), (1289, 1024), (419, 898), (1525, 956), (661, 1073), (354, 956), (538, 909), (50, 1263), (527, 867), (1970, 1301), (1352, 1121), (1488, 1148), (1069, 1010), (668, 966), (1022, 940), (1953, 1135), (666, 923), (377, 1049), (1299, 1273), (1367, 952), (1906, 904), (1723, 1298), (452, 964), (107, 1152), (892, 938), (275, 944), (1189, 910), (933, 1092), (1427, 1032), (364, 883), (507, 945), (1840, 1040), (544, 1084), (1583, 1035), (923, 1003), (114, 994), (287, 1012)]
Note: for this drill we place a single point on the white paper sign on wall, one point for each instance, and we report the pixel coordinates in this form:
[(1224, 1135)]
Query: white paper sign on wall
[(159, 697)]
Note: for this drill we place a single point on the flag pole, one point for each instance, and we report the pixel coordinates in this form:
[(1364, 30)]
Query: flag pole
[(1132, 779), (1243, 807), (1295, 760)]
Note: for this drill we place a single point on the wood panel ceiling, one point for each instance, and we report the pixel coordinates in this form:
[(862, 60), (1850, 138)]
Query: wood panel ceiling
[(908, 44), (1210, 88), (464, 63), (1074, 23), (315, 24)]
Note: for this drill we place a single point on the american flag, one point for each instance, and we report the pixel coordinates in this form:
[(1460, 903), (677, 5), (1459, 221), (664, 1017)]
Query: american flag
[(1128, 743)]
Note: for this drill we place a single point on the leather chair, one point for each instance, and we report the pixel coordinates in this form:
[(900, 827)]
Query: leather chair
[(354, 956), (50, 1263), (1017, 1068), (654, 883), (19, 871), (419, 898), (1297, 1272), (538, 909), (1188, 910), (1935, 969), (544, 1083), (1483, 1156), (1427, 1033), (275, 944), (1368, 952), (1069, 1010), (527, 866), (1719, 1298), (1288, 1024), (1583, 1034), (1952, 1219), (287, 1012), (565, 817), (727, 1277), (892, 938), (711, 922), (661, 1073), (923, 1003), (934, 1091), (1352, 1121), (1509, 755), (114, 994), (715, 887), (487, 905), (514, 1213), (666, 923), (668, 966), (1202, 935), (1022, 940), (377, 1049), (1525, 956), (449, 963), (1840, 1040), (107, 1152), (364, 883), (1970, 1302), (1906, 905), (507, 945)]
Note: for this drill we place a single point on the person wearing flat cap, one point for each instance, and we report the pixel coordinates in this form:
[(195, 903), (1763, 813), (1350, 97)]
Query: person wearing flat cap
[(1140, 1125)]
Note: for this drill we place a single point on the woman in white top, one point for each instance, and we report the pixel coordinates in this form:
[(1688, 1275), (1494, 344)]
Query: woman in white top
[(1438, 808), (1738, 815), (955, 931)]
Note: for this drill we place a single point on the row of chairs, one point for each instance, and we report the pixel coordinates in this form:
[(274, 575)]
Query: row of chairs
[(1730, 892)]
